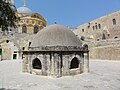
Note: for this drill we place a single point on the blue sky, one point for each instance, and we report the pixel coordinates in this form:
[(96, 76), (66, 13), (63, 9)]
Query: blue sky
[(71, 13)]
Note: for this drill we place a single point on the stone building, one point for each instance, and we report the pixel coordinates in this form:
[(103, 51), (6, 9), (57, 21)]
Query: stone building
[(18, 39), (56, 51), (29, 22), (102, 35), (105, 27), (8, 50)]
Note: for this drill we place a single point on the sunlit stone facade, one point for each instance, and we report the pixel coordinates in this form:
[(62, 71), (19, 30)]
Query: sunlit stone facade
[(29, 22)]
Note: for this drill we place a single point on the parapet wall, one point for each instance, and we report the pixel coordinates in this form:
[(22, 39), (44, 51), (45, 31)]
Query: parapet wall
[(105, 49), (105, 52)]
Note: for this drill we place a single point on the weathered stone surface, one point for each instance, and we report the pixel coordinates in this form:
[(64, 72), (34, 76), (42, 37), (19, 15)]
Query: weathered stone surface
[(104, 27), (55, 35), (57, 58)]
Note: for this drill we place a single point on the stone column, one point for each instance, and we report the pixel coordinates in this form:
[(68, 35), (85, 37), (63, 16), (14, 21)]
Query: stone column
[(29, 63), (66, 65), (24, 63), (59, 65), (52, 65), (56, 68), (44, 69), (86, 62), (48, 64), (81, 63)]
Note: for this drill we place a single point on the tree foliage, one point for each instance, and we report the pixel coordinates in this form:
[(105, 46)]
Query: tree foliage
[(8, 16)]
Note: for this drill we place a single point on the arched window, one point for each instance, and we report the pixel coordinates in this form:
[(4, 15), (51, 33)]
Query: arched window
[(93, 28), (24, 29), (96, 27), (35, 29), (103, 36), (36, 64), (114, 21), (74, 63), (82, 30), (99, 25)]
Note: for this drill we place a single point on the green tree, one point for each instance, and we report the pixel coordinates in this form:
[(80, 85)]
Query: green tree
[(8, 16)]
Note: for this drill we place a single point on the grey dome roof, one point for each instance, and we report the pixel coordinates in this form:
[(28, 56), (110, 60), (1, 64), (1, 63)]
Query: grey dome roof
[(24, 10), (55, 35)]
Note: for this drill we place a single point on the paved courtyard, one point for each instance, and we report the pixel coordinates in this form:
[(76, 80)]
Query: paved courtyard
[(104, 75)]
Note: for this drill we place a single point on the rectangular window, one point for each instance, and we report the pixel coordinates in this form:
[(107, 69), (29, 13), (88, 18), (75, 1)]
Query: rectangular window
[(14, 56)]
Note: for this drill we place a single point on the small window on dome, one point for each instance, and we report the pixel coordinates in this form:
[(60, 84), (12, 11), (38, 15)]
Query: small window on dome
[(35, 29)]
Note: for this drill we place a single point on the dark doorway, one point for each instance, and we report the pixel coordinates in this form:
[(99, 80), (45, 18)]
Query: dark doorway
[(74, 63), (0, 51), (36, 64), (14, 56), (24, 29)]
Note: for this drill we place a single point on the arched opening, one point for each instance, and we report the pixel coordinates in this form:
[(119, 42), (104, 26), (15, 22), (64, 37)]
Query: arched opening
[(115, 37), (74, 63), (35, 29), (36, 64), (93, 27), (24, 29), (82, 30), (103, 36), (96, 26), (114, 21), (99, 25)]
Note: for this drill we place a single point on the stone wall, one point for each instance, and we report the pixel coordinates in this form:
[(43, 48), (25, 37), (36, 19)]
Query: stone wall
[(108, 24), (105, 49), (55, 63), (16, 43), (105, 53)]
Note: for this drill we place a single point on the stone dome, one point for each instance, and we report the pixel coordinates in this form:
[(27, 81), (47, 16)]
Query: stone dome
[(55, 35), (24, 10)]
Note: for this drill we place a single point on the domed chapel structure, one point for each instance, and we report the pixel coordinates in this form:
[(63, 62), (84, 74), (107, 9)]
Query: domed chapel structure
[(56, 51), (29, 22)]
